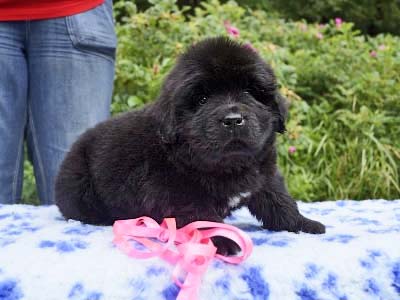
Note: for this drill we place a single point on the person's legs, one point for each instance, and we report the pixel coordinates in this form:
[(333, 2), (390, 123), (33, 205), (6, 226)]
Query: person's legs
[(13, 105), (71, 71)]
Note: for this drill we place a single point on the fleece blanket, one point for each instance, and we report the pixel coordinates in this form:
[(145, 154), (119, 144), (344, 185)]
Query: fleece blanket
[(43, 257)]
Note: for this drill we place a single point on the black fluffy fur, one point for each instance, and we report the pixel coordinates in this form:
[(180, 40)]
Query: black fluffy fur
[(177, 158)]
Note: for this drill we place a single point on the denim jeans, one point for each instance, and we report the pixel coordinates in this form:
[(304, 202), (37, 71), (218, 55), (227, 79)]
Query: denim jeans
[(56, 79)]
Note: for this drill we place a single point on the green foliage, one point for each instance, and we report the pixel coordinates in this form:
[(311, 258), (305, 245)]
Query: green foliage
[(344, 100), (343, 89), (370, 16), (29, 193)]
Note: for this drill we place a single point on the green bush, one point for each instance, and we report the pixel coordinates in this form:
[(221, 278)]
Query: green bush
[(343, 89), (29, 192), (370, 16)]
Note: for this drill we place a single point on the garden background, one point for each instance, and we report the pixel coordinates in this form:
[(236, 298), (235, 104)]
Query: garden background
[(337, 63)]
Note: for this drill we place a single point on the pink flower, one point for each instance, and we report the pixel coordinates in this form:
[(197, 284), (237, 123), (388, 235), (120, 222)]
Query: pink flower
[(319, 35), (250, 46), (292, 149), (321, 26), (303, 27), (382, 47), (338, 22), (373, 53), (231, 30)]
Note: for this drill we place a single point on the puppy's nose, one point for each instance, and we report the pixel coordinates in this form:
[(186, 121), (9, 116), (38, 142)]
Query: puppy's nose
[(233, 120)]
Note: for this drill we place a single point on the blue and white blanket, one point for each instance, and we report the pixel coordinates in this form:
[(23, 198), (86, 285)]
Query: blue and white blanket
[(43, 257)]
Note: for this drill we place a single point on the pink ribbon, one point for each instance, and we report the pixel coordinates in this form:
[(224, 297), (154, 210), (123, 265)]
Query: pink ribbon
[(189, 248)]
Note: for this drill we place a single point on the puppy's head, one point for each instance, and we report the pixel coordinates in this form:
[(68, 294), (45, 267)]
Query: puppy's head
[(221, 103)]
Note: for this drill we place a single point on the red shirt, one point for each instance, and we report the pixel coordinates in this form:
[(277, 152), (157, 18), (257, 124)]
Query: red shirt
[(14, 10)]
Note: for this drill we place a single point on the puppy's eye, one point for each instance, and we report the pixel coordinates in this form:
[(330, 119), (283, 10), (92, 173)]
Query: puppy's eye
[(246, 92), (202, 100)]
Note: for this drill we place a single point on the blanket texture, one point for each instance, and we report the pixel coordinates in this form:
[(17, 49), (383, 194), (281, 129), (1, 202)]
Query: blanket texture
[(43, 257)]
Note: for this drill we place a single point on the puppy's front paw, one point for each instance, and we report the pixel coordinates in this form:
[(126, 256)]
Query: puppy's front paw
[(310, 226), (225, 246)]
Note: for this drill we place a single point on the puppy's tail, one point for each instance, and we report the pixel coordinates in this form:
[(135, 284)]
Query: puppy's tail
[(75, 193)]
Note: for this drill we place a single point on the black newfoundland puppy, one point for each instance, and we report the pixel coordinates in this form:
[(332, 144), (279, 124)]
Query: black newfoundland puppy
[(203, 149)]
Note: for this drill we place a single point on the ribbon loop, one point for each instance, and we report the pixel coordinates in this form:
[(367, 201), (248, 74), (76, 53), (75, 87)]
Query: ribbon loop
[(190, 248)]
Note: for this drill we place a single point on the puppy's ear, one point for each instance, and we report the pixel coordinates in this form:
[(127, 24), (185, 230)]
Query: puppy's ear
[(167, 120), (280, 111), (165, 112)]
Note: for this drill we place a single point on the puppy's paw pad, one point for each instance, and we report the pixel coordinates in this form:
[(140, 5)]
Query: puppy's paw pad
[(225, 246), (311, 226)]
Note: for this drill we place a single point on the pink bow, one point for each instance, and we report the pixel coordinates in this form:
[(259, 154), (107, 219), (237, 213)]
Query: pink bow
[(193, 249)]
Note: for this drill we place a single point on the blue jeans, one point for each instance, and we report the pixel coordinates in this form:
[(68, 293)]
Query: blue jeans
[(56, 80)]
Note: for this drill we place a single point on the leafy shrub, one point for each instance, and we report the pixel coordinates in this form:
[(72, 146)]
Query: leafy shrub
[(342, 88), (370, 16), (29, 192), (343, 129)]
